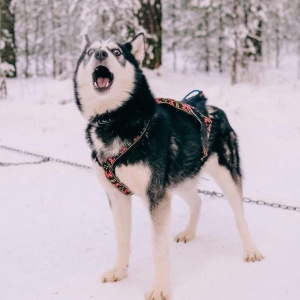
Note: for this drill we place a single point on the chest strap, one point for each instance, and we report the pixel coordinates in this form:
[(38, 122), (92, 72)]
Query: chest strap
[(109, 165)]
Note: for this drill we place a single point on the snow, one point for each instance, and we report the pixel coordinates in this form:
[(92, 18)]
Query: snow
[(6, 68), (57, 235)]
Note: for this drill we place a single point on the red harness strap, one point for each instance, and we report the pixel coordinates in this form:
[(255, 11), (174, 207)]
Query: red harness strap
[(109, 165)]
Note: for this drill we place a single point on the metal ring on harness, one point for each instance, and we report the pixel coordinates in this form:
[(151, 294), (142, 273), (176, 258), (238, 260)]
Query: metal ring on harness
[(199, 93)]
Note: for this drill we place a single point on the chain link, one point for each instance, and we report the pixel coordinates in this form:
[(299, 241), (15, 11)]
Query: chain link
[(45, 159), (248, 200)]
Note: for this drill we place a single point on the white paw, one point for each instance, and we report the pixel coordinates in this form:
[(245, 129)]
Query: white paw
[(114, 275), (185, 236), (157, 294), (253, 255)]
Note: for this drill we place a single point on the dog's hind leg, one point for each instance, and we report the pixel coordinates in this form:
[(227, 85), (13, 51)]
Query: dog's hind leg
[(188, 192), (160, 216), (232, 187)]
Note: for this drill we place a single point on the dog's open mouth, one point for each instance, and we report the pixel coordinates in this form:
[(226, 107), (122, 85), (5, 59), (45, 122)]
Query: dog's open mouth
[(103, 78)]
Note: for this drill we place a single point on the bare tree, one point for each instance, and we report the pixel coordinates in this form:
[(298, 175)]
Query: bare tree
[(235, 51), (220, 35), (206, 27)]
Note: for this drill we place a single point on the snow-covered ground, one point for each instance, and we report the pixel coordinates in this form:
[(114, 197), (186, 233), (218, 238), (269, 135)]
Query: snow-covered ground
[(57, 237)]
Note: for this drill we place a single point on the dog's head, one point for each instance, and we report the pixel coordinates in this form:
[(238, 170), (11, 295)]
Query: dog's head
[(105, 74)]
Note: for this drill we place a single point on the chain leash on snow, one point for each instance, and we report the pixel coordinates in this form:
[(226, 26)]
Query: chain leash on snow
[(248, 200), (44, 159)]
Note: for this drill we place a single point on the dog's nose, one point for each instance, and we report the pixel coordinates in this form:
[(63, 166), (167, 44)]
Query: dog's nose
[(101, 55)]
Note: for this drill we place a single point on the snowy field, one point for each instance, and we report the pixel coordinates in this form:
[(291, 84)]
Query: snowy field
[(57, 236)]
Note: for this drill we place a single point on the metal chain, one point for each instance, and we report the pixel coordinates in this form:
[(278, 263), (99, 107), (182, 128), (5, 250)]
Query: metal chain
[(45, 159), (248, 200)]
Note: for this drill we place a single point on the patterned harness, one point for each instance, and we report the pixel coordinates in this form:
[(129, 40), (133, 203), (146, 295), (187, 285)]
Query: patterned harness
[(109, 165)]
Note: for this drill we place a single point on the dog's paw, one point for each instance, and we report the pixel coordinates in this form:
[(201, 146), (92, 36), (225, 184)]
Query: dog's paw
[(114, 275), (184, 236), (157, 294), (252, 255)]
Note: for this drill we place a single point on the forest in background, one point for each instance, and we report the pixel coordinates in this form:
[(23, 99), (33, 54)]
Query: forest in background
[(45, 37)]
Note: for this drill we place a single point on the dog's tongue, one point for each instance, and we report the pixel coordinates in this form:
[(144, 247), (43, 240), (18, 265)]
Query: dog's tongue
[(102, 82)]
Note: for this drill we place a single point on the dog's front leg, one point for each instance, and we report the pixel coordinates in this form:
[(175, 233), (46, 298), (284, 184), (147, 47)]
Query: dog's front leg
[(121, 211), (160, 216)]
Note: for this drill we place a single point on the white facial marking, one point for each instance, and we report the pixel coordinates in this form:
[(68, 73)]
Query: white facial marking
[(94, 102), (96, 45), (112, 45)]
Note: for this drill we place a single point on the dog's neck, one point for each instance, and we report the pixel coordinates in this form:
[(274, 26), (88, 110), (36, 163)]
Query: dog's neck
[(108, 133), (139, 108)]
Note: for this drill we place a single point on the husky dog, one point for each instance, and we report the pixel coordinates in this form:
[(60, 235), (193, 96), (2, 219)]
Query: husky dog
[(113, 95)]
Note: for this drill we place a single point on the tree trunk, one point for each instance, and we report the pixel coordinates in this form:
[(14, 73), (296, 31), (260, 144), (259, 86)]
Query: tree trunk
[(235, 49), (206, 38), (298, 54), (245, 52), (3, 89), (258, 42), (220, 39), (150, 18), (7, 35), (277, 41), (53, 50), (36, 48), (174, 44), (26, 25)]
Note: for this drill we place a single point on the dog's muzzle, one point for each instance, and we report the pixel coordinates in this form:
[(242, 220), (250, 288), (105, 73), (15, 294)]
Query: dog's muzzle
[(102, 78)]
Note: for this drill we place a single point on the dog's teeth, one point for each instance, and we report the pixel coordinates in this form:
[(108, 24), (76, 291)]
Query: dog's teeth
[(95, 84), (107, 84)]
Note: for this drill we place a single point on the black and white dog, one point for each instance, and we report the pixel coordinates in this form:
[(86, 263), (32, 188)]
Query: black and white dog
[(113, 95)]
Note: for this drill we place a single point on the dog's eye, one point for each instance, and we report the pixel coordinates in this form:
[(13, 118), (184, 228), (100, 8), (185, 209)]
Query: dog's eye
[(91, 52), (116, 52)]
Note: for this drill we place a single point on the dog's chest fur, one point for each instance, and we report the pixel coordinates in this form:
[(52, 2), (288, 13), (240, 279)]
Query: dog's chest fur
[(105, 144), (107, 139), (104, 148)]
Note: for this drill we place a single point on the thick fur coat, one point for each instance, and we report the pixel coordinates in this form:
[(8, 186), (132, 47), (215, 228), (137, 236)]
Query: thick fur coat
[(113, 95)]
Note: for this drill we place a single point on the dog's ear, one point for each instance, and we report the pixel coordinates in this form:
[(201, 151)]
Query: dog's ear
[(137, 47), (85, 42)]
